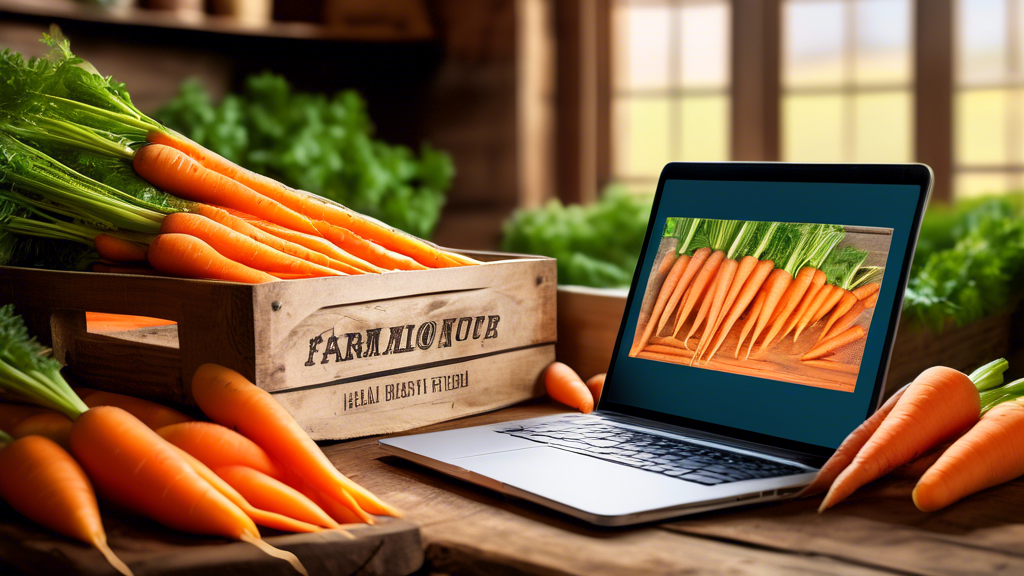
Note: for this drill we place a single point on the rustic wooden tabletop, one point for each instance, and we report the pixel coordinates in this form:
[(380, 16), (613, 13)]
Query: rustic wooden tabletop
[(471, 530)]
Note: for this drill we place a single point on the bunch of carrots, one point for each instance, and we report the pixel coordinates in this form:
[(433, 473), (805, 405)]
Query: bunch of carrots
[(80, 164), (955, 434), (252, 465), (784, 277)]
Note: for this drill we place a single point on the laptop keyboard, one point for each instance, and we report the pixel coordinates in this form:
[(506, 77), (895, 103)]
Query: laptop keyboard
[(669, 456)]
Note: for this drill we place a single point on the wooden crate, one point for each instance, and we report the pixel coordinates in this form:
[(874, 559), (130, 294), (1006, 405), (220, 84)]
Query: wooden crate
[(588, 322), (347, 356)]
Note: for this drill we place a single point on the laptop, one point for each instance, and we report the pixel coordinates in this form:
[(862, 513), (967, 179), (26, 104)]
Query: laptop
[(689, 420)]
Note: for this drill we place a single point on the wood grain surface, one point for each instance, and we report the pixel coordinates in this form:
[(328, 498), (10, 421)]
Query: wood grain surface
[(471, 530)]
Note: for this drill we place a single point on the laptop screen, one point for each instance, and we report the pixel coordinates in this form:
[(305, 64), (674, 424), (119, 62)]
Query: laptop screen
[(765, 307)]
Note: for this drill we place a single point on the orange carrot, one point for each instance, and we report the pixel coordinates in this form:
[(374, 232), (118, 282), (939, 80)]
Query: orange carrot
[(866, 290), (817, 282), (820, 298), (52, 425), (666, 263), (835, 343), (12, 414), (678, 269), (118, 249), (848, 450), (745, 267), (341, 513), (366, 250), (266, 493), (681, 288), (990, 453), (564, 385), (149, 413), (596, 385), (239, 247), (130, 464), (775, 287), (723, 286), (755, 313), (173, 171), (217, 446), (189, 257), (851, 316), (700, 287), (833, 298), (939, 404), (315, 243), (755, 279), (314, 207), (227, 398), (44, 483), (789, 301), (847, 300), (238, 223), (705, 309)]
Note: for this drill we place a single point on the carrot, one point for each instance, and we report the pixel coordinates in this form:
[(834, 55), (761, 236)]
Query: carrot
[(366, 250), (832, 344), (341, 513), (227, 398), (939, 404), (564, 385), (56, 427), (217, 446), (266, 493), (789, 301), (690, 267), (833, 298), (149, 413), (317, 244), (700, 287), (678, 269), (743, 270), (314, 207), (820, 299), (817, 282), (866, 290), (851, 316), (239, 247), (666, 263), (705, 309), (173, 171), (237, 222), (118, 249), (846, 302), (755, 312), (755, 279), (848, 450), (190, 257), (45, 484), (775, 287), (134, 467), (261, 517), (723, 286), (12, 414), (990, 453), (596, 385)]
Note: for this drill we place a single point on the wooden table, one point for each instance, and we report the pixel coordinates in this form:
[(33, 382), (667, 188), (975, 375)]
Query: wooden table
[(471, 530)]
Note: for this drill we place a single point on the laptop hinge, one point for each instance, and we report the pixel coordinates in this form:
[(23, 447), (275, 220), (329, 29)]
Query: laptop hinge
[(773, 451)]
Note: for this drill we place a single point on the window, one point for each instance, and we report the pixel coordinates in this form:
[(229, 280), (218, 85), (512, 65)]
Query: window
[(670, 86), (989, 98), (847, 81)]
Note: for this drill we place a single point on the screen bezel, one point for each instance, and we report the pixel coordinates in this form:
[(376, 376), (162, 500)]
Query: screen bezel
[(907, 174)]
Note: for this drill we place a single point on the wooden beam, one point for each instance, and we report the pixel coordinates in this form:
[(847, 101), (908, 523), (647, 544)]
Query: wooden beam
[(755, 79), (933, 92), (535, 87)]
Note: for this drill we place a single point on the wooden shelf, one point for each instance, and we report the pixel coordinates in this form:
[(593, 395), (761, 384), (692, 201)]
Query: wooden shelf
[(200, 22)]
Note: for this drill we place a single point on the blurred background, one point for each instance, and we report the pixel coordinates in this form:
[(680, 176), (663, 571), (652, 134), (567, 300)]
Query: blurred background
[(523, 101)]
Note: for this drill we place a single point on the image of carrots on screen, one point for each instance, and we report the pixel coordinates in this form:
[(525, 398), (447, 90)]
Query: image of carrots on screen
[(783, 301)]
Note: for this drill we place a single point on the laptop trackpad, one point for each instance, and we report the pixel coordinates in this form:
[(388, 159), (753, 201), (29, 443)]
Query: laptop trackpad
[(582, 482)]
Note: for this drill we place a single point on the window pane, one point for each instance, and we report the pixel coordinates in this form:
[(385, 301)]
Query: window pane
[(640, 145), (812, 128), (812, 50), (883, 127), (641, 41), (982, 41), (980, 184), (704, 32), (705, 128), (981, 120), (883, 29)]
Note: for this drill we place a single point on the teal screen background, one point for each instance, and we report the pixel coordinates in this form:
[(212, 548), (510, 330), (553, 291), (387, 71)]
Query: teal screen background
[(792, 411)]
